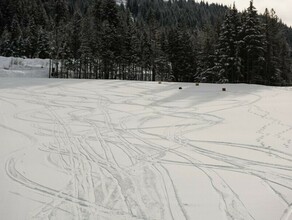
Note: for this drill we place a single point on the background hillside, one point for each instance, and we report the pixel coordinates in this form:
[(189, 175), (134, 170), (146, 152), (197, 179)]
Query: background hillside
[(175, 40)]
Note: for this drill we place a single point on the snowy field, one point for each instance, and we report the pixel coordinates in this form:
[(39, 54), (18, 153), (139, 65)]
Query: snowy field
[(128, 150)]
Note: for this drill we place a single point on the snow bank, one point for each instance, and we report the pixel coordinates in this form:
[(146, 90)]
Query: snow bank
[(21, 67)]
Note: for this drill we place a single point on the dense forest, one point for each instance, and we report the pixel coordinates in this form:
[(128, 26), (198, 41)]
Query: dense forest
[(177, 40)]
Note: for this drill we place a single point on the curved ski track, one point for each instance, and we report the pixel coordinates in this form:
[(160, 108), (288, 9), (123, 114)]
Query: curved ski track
[(116, 152)]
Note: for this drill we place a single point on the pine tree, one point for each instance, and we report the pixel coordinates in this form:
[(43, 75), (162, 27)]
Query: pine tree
[(43, 44), (252, 46), (31, 39), (162, 63), (129, 44), (174, 52), (206, 40), (2, 20), (145, 53), (109, 12), (85, 52), (61, 12), (149, 39), (5, 43), (277, 50), (181, 55), (96, 14), (16, 38), (15, 29), (74, 35), (189, 60), (154, 42), (228, 61)]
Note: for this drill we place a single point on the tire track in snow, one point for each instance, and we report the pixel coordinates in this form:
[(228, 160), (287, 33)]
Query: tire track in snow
[(131, 192), (264, 165)]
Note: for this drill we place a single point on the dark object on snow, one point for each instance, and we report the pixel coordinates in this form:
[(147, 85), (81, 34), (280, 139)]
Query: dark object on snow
[(159, 82), (180, 88), (223, 89), (197, 84)]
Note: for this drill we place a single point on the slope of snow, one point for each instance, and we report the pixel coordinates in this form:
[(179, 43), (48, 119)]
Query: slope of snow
[(111, 150), (20, 67)]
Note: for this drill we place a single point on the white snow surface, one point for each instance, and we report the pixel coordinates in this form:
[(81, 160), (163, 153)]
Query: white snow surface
[(122, 150), (23, 67)]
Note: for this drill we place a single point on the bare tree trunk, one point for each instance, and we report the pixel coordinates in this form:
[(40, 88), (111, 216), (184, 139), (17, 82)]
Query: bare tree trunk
[(57, 69), (50, 70), (90, 70), (80, 69)]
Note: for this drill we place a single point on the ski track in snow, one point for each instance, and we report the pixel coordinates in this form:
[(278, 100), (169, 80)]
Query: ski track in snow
[(121, 145)]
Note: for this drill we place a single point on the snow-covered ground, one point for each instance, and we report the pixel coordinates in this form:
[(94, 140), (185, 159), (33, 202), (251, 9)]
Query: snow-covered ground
[(20, 67), (121, 150)]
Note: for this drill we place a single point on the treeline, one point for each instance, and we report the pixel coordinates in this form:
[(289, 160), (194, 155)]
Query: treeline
[(250, 49), (174, 40)]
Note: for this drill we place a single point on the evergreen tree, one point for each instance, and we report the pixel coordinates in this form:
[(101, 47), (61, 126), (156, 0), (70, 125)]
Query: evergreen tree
[(162, 63), (16, 38), (5, 43), (129, 44), (145, 53), (31, 39), (149, 39), (277, 51), (109, 12), (207, 39), (43, 44), (74, 35), (61, 11), (252, 46), (228, 61), (181, 55), (85, 52)]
